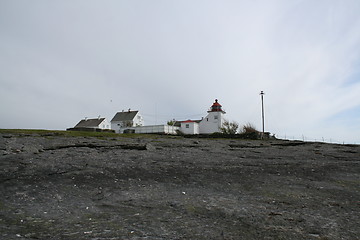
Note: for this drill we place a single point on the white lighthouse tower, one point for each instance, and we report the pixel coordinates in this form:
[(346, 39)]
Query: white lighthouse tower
[(214, 120)]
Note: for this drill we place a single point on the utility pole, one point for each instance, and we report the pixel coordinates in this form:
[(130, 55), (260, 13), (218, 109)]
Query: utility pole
[(262, 110)]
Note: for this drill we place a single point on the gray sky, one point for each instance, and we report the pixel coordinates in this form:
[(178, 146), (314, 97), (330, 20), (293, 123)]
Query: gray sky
[(61, 61)]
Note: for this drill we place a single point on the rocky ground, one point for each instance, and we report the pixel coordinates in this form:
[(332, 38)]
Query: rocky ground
[(157, 187)]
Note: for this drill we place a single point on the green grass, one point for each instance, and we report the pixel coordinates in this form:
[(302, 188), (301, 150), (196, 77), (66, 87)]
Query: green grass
[(25, 131), (55, 133)]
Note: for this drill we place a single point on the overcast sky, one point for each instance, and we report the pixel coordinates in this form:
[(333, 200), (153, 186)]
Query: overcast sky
[(63, 60)]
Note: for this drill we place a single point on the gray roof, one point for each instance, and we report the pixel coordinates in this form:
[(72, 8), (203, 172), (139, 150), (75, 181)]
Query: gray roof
[(124, 116), (89, 123)]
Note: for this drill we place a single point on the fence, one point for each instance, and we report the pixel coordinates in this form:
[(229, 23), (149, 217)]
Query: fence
[(312, 139)]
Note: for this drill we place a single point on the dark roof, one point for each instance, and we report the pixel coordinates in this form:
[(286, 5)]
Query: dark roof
[(124, 116), (89, 123)]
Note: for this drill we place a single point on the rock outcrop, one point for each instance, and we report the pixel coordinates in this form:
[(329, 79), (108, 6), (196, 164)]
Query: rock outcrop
[(160, 187)]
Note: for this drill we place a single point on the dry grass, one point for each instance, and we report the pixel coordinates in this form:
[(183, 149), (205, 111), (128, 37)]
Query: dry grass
[(249, 128)]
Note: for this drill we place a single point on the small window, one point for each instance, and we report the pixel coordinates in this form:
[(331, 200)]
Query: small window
[(207, 119), (215, 117), (187, 125)]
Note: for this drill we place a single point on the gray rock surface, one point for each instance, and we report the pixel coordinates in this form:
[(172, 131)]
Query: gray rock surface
[(159, 187)]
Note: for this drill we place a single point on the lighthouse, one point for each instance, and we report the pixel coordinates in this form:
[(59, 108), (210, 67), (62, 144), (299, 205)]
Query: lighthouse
[(214, 119)]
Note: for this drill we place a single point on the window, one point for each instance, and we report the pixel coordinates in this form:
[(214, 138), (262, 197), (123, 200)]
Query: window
[(215, 117), (187, 125)]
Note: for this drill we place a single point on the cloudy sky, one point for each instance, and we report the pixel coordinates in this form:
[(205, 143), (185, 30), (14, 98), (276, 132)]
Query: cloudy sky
[(63, 60)]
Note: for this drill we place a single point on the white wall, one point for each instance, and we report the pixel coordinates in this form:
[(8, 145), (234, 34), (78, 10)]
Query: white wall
[(105, 124), (165, 129), (212, 122), (189, 128), (138, 120), (116, 127)]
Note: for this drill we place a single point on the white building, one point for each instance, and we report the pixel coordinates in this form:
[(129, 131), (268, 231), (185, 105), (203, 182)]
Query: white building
[(214, 120), (159, 129), (125, 120), (210, 124), (95, 123), (190, 127), (132, 122)]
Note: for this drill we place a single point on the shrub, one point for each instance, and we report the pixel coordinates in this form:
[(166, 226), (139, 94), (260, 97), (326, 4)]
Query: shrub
[(249, 128), (229, 127)]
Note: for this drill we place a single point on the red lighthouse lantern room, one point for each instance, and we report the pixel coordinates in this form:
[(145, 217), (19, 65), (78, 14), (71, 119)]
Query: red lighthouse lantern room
[(216, 107)]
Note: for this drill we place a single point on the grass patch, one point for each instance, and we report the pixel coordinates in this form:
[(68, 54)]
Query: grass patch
[(54, 133), (27, 131), (42, 132)]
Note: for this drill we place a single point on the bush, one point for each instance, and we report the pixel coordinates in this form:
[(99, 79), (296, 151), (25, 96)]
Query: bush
[(229, 127), (249, 128)]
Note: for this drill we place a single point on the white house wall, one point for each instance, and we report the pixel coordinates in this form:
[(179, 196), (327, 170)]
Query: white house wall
[(105, 124), (211, 123), (116, 127), (189, 128), (138, 120)]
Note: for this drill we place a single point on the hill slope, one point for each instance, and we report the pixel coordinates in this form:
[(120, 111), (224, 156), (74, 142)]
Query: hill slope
[(56, 186)]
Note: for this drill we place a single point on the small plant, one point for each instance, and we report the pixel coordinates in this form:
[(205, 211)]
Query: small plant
[(171, 122), (248, 131), (229, 127), (249, 128)]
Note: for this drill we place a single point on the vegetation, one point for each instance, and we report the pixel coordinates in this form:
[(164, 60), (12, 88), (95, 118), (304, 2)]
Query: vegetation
[(171, 122), (249, 128), (58, 133), (229, 127), (41, 132)]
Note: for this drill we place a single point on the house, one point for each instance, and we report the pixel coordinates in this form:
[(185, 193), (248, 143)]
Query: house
[(94, 124), (210, 124), (190, 127), (126, 120)]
